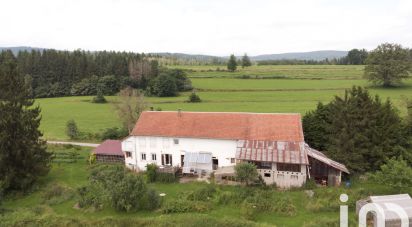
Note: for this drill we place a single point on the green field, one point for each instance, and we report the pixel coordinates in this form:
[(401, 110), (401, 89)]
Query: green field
[(34, 209), (301, 89)]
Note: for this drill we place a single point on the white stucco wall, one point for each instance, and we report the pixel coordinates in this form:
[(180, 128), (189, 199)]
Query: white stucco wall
[(223, 150)]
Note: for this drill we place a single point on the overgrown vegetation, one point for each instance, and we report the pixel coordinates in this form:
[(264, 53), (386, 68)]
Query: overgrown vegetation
[(117, 187)]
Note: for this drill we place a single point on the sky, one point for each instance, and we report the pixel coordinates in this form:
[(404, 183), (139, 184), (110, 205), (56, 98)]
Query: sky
[(213, 27)]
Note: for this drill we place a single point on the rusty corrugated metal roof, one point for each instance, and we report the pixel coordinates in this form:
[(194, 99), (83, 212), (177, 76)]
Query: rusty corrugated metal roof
[(323, 158), (271, 151)]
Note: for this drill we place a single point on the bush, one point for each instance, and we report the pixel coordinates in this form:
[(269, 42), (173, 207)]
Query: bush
[(152, 200), (126, 194), (114, 133), (202, 194), (71, 129), (99, 98), (396, 173), (56, 194), (246, 172), (92, 196), (194, 97), (151, 172), (123, 190)]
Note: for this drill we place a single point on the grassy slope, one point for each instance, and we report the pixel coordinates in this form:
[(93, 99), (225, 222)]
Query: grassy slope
[(220, 92), (26, 207)]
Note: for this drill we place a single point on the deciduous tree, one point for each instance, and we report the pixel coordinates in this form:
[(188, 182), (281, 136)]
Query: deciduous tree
[(131, 104), (388, 64)]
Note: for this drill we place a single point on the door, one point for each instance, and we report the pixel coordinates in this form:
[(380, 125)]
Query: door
[(167, 160), (215, 163), (182, 160)]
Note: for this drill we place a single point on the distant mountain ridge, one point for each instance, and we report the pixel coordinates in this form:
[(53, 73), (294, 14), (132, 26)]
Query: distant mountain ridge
[(311, 55)]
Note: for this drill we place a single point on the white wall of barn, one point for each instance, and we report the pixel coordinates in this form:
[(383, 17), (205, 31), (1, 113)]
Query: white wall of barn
[(223, 150)]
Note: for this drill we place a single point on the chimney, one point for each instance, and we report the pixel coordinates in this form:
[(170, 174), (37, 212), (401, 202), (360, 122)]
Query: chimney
[(179, 112)]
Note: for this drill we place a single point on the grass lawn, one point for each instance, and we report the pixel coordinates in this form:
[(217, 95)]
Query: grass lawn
[(286, 71), (34, 208), (221, 92)]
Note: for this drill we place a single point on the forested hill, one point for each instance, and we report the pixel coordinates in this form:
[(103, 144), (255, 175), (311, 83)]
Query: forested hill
[(196, 58), (52, 73)]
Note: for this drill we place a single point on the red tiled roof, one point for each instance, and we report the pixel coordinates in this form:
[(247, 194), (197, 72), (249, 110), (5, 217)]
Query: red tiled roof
[(271, 151), (109, 147), (220, 125)]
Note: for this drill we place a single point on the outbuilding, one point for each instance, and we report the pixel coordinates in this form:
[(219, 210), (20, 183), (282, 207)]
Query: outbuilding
[(109, 151)]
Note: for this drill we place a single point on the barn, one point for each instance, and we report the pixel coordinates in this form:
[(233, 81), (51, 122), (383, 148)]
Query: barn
[(206, 142), (110, 151)]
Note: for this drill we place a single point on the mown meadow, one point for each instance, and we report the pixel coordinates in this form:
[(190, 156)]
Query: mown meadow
[(52, 202), (279, 88)]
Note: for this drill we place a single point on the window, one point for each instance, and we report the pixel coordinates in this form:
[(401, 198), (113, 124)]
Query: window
[(176, 141), (167, 159), (153, 157), (232, 160), (128, 154), (267, 174), (264, 165), (143, 156), (288, 167)]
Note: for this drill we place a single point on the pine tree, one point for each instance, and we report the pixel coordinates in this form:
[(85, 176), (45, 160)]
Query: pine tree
[(246, 61), (358, 130), (23, 155), (232, 64)]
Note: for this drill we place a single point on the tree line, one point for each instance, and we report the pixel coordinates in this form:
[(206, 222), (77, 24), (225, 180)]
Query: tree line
[(53, 73)]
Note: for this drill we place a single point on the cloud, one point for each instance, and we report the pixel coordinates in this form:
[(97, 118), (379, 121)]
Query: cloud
[(206, 27)]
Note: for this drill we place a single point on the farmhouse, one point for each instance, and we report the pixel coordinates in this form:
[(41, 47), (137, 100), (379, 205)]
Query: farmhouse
[(203, 142), (109, 151)]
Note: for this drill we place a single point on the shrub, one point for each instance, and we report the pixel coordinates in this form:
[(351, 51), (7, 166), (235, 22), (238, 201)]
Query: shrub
[(92, 196), (151, 172), (194, 97), (71, 129), (114, 133), (126, 195), (202, 194), (396, 173), (246, 172), (152, 199), (56, 194), (99, 98), (123, 190)]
